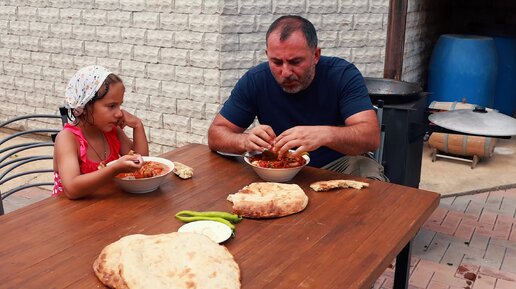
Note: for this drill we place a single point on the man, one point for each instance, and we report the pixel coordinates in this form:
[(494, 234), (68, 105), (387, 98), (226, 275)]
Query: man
[(303, 101)]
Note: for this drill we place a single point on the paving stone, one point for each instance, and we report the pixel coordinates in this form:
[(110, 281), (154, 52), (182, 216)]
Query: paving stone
[(502, 230), (437, 285), (494, 255), (509, 260), (479, 241), (437, 216), (437, 248), (461, 203), (512, 237), (504, 284), (421, 242), (494, 201), (482, 197), (446, 201), (508, 206), (484, 282), (488, 218), (421, 276), (464, 231), (450, 224), (450, 279), (475, 208), (495, 273), (480, 261), (452, 257)]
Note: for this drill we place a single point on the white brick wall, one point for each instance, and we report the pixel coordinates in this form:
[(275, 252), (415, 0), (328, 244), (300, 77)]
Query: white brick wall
[(179, 59)]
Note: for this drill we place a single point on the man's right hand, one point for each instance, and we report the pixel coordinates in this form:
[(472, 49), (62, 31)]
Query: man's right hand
[(259, 138)]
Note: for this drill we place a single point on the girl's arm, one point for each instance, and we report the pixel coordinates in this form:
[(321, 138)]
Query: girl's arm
[(75, 184), (139, 144)]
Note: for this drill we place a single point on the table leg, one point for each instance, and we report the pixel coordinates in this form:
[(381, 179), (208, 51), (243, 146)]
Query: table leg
[(402, 270), (1, 205)]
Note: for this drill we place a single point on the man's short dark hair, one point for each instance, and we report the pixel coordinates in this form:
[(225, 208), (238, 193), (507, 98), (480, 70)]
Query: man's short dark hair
[(290, 23)]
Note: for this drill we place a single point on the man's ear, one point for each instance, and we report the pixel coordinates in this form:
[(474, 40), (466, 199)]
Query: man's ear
[(317, 55)]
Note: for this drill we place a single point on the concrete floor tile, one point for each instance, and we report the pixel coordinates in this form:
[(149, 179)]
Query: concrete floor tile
[(437, 285), (437, 248), (508, 206), (501, 230), (421, 276), (446, 201), (482, 197), (479, 241), (464, 232), (475, 209), (450, 279), (482, 262), (461, 203), (484, 282), (455, 253), (503, 243), (422, 241), (450, 224), (488, 218), (494, 201), (504, 284), (494, 254), (509, 261), (512, 237), (495, 273)]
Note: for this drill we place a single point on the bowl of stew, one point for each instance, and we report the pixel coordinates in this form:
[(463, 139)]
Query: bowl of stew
[(146, 179), (272, 169)]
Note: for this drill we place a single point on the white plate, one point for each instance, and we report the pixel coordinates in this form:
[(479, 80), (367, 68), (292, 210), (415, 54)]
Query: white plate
[(216, 231), (228, 154)]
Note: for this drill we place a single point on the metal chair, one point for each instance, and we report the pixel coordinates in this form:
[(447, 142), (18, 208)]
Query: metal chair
[(8, 165)]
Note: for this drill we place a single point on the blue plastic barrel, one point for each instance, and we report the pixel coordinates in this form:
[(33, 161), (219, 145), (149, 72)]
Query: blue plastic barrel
[(463, 68), (505, 90)]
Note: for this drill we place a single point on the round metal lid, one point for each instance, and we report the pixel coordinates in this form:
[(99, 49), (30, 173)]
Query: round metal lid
[(476, 121)]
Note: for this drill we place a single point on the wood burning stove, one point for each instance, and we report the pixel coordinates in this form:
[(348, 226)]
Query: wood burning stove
[(405, 125)]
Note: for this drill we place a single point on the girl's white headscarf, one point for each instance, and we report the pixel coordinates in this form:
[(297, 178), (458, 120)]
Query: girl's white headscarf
[(83, 86)]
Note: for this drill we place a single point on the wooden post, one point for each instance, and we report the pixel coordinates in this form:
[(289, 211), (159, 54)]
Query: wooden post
[(394, 48)]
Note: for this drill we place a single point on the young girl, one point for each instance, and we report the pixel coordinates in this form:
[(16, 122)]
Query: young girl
[(82, 149)]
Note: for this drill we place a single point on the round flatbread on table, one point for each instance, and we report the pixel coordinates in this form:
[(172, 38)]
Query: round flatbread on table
[(268, 200), (175, 260)]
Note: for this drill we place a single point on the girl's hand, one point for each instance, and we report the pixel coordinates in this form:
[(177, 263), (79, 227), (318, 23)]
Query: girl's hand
[(129, 163), (129, 120)]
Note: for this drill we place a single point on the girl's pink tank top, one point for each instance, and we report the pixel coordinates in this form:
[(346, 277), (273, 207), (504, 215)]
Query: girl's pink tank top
[(85, 164)]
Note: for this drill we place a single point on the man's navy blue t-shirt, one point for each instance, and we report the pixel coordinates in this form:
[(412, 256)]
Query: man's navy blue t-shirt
[(337, 92)]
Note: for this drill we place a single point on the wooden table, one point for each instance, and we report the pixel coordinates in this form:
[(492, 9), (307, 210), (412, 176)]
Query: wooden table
[(343, 239)]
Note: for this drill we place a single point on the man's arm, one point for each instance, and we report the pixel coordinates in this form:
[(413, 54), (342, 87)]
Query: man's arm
[(360, 135), (225, 136)]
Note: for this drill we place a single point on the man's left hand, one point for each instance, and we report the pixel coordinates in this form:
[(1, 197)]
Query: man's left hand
[(305, 138)]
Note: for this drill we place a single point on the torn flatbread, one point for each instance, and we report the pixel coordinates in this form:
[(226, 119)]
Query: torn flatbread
[(268, 199), (335, 184)]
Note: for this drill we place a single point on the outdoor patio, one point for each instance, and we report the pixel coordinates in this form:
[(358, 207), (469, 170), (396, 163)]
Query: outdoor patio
[(468, 242)]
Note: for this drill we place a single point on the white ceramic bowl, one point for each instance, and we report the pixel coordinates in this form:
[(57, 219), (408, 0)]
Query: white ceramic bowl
[(276, 175), (145, 185)]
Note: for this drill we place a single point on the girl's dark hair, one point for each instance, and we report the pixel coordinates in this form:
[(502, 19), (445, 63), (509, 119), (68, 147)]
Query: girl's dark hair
[(103, 90), (291, 23)]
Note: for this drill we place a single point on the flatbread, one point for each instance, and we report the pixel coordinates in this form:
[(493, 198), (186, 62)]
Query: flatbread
[(268, 199), (183, 171), (335, 184), (106, 264), (175, 260)]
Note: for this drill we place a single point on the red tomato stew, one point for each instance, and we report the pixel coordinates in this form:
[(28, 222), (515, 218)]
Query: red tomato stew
[(148, 170), (286, 161)]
